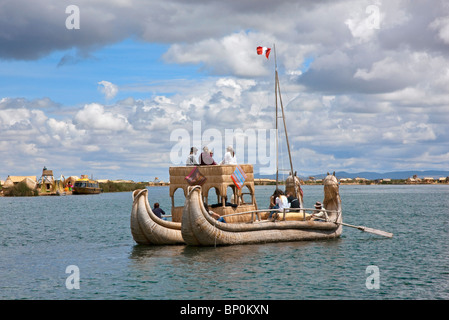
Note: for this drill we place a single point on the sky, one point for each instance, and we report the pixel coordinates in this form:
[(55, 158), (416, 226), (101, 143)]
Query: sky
[(120, 89)]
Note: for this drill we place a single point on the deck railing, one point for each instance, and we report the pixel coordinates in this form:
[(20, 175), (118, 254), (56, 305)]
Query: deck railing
[(255, 214)]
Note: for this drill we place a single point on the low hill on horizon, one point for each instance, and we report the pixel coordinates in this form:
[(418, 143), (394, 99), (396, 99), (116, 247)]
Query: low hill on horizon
[(393, 175), (375, 175)]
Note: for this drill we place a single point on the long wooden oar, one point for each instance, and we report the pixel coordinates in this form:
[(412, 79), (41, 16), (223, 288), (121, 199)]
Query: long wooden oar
[(370, 230), (366, 229)]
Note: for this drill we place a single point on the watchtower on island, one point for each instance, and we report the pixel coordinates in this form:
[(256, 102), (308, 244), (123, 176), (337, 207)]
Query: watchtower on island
[(46, 182)]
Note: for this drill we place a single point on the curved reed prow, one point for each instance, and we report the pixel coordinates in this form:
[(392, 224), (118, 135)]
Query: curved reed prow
[(332, 200)]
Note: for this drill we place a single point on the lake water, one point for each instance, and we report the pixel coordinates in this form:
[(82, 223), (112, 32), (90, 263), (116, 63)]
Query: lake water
[(41, 236)]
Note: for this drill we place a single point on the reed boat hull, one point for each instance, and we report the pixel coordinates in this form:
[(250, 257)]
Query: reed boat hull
[(200, 229), (147, 228)]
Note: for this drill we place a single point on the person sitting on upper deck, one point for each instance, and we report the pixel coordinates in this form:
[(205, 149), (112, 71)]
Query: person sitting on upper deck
[(205, 157), (191, 161), (229, 157)]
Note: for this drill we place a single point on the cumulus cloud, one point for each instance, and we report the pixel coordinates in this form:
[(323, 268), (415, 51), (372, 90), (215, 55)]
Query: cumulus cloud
[(441, 25), (233, 54), (109, 89), (93, 116)]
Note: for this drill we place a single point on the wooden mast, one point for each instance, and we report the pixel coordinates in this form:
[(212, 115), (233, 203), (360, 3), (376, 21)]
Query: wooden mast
[(276, 115), (278, 90)]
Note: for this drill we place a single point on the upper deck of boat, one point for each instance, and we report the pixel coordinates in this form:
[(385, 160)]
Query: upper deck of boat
[(218, 177)]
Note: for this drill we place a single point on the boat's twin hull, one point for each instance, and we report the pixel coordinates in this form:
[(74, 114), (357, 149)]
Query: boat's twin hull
[(198, 228)]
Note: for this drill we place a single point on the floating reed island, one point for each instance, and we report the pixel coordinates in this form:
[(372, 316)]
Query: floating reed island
[(49, 185)]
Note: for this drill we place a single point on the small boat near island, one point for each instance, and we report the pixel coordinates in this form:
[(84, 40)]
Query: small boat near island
[(84, 185)]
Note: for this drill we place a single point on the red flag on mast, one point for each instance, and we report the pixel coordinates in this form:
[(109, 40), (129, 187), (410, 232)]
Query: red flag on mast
[(264, 50)]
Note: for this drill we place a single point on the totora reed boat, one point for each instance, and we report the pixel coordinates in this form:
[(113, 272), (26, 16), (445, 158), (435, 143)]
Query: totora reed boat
[(245, 224)]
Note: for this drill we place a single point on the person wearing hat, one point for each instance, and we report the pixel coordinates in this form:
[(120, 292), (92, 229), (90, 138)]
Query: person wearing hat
[(319, 213), (191, 161), (229, 157)]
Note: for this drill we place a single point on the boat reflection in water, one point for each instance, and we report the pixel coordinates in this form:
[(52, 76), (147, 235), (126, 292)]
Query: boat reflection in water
[(86, 186)]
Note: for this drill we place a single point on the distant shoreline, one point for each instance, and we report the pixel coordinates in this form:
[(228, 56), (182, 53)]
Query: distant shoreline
[(110, 186), (360, 182)]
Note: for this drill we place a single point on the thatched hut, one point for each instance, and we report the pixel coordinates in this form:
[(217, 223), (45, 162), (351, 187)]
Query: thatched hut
[(71, 180), (11, 181)]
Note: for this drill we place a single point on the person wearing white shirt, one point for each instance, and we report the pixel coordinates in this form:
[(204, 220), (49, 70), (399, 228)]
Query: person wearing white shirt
[(229, 157), (281, 203), (320, 213), (191, 161)]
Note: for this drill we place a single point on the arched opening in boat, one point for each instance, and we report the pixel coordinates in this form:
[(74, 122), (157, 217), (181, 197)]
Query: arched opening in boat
[(178, 198), (177, 203), (232, 194), (212, 196), (246, 196)]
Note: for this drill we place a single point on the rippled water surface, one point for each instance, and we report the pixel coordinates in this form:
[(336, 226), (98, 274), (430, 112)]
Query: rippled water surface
[(41, 236)]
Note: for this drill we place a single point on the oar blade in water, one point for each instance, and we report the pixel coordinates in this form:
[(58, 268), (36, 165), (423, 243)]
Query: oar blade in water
[(370, 230), (378, 232)]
